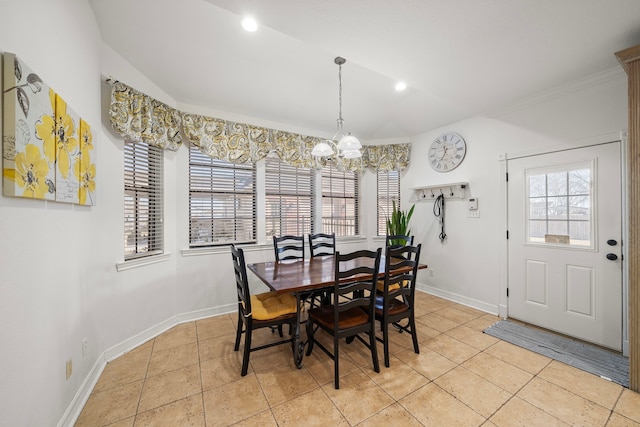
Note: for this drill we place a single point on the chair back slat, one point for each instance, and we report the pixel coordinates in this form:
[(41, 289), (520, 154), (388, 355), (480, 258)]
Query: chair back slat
[(288, 247), (396, 240), (401, 268), (322, 244), (356, 292), (242, 283)]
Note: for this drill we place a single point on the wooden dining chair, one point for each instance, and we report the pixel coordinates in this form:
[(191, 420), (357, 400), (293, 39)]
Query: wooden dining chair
[(398, 240), (266, 310), (322, 244), (396, 301), (348, 318), (288, 247)]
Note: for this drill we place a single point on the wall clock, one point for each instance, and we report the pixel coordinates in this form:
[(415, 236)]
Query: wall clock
[(447, 152)]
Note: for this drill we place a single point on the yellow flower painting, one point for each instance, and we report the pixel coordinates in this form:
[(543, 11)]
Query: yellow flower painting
[(46, 130), (66, 138), (85, 172), (31, 172)]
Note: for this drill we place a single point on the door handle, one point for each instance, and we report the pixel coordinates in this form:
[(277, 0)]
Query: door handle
[(612, 242), (612, 257)]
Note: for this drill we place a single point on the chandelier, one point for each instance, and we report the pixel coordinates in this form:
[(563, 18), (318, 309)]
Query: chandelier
[(346, 146)]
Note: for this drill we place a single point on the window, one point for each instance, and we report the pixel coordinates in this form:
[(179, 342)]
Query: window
[(559, 204), (339, 201), (388, 192), (143, 198), (222, 201), (289, 199)]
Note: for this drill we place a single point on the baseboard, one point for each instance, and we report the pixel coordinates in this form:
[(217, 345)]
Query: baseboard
[(460, 299), (80, 399)]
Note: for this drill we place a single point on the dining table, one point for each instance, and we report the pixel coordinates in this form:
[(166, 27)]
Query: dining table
[(304, 278)]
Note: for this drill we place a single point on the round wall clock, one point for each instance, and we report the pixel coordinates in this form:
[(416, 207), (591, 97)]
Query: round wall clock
[(447, 152)]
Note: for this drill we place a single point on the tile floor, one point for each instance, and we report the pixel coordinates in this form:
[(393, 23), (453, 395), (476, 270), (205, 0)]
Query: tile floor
[(190, 376)]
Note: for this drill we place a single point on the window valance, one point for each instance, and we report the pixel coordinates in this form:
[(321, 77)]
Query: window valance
[(138, 117)]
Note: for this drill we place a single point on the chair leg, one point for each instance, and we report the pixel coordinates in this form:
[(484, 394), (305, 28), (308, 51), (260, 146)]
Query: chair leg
[(238, 333), (373, 343), (385, 342), (247, 351), (336, 362), (280, 331), (414, 335)]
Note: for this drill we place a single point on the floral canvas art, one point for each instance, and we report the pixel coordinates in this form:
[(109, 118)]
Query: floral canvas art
[(47, 147)]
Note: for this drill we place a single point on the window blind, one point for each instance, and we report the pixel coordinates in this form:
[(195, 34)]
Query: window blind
[(388, 192), (340, 194), (289, 199), (222, 201), (143, 200)]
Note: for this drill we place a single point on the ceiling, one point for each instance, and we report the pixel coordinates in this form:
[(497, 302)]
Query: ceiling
[(459, 58)]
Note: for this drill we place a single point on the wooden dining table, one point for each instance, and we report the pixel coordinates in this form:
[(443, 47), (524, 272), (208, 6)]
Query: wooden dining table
[(303, 278)]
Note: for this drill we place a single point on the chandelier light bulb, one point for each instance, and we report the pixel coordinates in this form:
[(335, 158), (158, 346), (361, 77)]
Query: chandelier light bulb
[(249, 24)]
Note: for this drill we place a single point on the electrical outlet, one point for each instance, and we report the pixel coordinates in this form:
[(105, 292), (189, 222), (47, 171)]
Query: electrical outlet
[(69, 368), (473, 213), (430, 272), (85, 347)]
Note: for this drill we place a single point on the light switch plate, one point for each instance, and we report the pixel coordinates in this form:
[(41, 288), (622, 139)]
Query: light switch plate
[(473, 213)]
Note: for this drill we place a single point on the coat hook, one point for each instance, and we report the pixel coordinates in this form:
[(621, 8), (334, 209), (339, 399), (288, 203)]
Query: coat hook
[(450, 191), (423, 195), (432, 195)]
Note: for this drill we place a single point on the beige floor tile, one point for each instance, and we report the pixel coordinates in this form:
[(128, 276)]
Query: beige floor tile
[(217, 326), (451, 348), (394, 415), (563, 404), (457, 315), (518, 357), (589, 386), (185, 412), (129, 367), (234, 402), (172, 358), (518, 413), (179, 335), (321, 366), (472, 337), (433, 406), (111, 405), (222, 370), (483, 322), (617, 420), (127, 422), (439, 323), (169, 387), (494, 370), (265, 360), (629, 405), (428, 363), (309, 409), (399, 379), (479, 394), (283, 383), (216, 347), (358, 397), (262, 419)]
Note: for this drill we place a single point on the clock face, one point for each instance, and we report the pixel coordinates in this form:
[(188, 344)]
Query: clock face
[(447, 152)]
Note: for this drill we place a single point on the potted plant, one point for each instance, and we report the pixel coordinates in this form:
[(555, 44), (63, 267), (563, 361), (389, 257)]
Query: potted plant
[(398, 223)]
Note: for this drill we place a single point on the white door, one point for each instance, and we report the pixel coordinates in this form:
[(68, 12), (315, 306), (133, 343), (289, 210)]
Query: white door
[(565, 228)]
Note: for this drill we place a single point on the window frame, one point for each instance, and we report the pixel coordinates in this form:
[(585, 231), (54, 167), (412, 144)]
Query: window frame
[(386, 181), (335, 191)]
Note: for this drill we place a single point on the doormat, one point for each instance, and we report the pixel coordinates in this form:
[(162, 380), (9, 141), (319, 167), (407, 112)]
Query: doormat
[(596, 360)]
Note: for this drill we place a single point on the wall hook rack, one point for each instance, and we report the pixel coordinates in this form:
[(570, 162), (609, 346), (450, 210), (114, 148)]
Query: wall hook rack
[(455, 190)]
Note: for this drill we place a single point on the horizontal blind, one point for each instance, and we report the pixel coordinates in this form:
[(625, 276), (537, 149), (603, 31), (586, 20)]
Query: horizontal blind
[(289, 199), (340, 194), (143, 200), (222, 201), (388, 192)]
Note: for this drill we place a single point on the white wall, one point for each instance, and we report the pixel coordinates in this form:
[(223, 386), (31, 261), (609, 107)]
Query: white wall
[(58, 277)]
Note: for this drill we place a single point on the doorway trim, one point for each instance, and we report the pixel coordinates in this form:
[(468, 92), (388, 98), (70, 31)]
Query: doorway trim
[(503, 255)]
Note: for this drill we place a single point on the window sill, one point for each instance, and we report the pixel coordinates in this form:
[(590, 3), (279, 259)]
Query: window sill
[(141, 262)]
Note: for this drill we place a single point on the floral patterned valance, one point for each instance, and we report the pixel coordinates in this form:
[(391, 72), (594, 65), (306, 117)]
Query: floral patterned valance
[(138, 117)]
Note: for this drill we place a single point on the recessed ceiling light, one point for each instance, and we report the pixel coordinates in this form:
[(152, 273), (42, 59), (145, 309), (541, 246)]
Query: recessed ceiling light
[(400, 86), (249, 24)]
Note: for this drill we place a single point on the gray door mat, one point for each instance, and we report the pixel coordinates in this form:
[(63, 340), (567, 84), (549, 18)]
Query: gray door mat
[(599, 361)]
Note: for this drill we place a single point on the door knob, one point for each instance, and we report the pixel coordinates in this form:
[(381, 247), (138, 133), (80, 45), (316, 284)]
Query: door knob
[(612, 242), (612, 257)]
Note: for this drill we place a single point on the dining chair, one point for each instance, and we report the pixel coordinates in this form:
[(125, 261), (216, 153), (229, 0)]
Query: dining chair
[(398, 240), (266, 310), (396, 301), (288, 247), (348, 318), (322, 244)]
